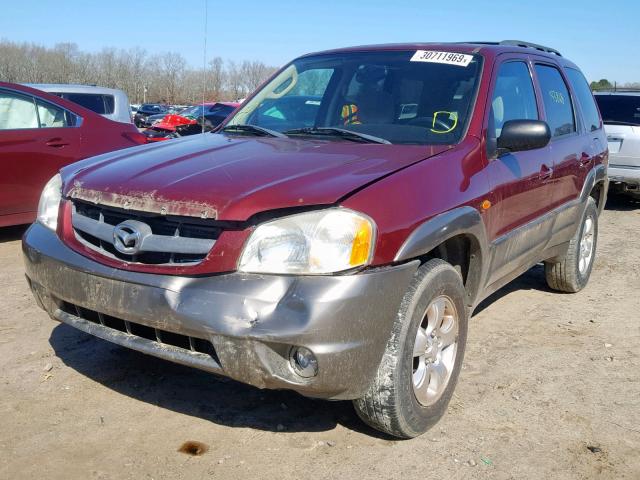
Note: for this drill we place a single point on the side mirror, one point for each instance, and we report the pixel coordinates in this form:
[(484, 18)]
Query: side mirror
[(520, 135)]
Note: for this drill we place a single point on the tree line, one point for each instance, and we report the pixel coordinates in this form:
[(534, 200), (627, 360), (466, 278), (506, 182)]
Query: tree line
[(604, 84), (164, 77)]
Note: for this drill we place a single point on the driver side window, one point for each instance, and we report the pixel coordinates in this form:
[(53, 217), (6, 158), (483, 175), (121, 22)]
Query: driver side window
[(513, 98)]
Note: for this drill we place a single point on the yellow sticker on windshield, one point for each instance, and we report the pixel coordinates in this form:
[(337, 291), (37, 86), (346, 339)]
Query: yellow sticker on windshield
[(447, 125)]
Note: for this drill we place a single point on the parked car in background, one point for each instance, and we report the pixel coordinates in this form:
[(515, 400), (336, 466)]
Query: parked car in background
[(41, 133), (134, 109), (620, 111), (108, 102), (337, 249), (141, 118), (193, 120), (171, 110)]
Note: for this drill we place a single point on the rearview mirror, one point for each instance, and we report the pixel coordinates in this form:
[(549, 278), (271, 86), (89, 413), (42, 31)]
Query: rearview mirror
[(520, 135)]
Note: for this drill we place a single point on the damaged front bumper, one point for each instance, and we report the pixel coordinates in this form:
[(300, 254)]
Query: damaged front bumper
[(251, 321)]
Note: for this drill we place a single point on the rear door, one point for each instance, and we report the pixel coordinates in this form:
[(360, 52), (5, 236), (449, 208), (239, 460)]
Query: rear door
[(594, 139), (37, 138), (570, 150)]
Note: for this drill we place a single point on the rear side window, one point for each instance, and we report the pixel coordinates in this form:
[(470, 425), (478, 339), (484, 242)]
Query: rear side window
[(620, 109), (557, 101), (513, 97), (585, 98), (102, 104), (17, 112)]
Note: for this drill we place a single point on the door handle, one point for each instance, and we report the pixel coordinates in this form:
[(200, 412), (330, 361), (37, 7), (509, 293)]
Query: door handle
[(56, 143), (585, 159), (545, 172)]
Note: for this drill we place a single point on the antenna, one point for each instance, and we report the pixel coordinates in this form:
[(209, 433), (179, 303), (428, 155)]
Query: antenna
[(204, 62)]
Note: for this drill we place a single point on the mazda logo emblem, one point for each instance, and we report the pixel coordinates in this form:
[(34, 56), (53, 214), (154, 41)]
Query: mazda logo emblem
[(127, 238)]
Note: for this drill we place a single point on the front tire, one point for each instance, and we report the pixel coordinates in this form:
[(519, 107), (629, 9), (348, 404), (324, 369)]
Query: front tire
[(423, 357), (571, 274)]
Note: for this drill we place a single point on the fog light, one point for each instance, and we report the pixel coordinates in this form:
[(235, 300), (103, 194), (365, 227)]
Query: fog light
[(304, 362)]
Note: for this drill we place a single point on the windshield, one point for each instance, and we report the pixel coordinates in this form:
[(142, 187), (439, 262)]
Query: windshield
[(619, 108), (404, 97)]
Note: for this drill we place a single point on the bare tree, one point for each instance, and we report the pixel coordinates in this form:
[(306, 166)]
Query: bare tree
[(166, 76)]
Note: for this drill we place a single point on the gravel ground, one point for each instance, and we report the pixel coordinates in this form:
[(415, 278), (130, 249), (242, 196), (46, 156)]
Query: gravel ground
[(550, 389)]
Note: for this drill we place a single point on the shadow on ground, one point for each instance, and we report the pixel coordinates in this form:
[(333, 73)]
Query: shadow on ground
[(197, 393), (11, 234), (622, 203), (532, 279)]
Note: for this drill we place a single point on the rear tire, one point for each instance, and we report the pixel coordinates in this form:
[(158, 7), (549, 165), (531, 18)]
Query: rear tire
[(571, 274), (422, 360)]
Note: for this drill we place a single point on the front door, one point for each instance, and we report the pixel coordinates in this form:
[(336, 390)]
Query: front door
[(521, 181)]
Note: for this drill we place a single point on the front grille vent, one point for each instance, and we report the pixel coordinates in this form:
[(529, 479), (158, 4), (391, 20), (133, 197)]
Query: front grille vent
[(142, 237), (157, 335)]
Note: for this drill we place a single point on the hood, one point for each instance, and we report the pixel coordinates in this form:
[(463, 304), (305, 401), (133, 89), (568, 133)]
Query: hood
[(233, 178)]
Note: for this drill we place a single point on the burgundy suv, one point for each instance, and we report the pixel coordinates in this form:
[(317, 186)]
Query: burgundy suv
[(334, 236)]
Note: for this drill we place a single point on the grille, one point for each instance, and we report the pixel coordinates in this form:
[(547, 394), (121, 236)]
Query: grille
[(157, 335), (165, 240)]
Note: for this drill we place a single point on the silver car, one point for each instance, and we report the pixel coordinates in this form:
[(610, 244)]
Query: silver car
[(108, 102), (621, 116)]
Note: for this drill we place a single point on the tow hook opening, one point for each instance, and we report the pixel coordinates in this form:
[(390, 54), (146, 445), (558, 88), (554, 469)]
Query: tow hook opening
[(304, 362)]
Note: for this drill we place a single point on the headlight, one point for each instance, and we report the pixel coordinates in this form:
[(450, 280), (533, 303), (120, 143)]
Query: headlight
[(50, 202), (324, 241)]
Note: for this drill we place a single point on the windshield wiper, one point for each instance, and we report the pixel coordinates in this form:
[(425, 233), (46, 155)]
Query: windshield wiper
[(337, 132), (247, 128)]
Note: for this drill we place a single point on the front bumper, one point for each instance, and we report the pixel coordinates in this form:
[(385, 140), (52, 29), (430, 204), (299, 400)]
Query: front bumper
[(252, 321)]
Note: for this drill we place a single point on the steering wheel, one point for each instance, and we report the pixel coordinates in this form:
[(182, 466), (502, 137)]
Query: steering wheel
[(429, 122)]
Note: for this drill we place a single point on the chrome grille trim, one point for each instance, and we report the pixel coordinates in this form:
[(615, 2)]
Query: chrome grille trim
[(150, 243), (159, 240)]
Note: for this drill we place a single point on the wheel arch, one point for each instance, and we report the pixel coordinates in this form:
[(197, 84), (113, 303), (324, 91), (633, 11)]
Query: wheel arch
[(457, 236), (596, 185)]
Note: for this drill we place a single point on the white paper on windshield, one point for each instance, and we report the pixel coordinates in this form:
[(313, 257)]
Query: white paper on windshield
[(449, 58)]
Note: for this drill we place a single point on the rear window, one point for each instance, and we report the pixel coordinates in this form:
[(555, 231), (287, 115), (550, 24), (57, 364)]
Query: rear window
[(557, 101), (619, 109), (585, 98), (99, 103), (221, 109), (149, 108)]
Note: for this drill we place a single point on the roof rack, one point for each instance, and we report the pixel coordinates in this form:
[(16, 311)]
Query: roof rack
[(520, 43)]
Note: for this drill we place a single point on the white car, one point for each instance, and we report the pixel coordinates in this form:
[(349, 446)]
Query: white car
[(621, 116), (108, 102)]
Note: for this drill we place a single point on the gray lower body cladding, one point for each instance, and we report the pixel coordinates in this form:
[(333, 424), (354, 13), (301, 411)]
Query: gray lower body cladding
[(252, 321)]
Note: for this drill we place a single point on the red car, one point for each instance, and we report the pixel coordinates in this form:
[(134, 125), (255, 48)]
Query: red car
[(190, 121), (41, 133), (335, 235)]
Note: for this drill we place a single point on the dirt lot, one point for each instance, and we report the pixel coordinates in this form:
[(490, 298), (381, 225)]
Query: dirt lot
[(550, 389)]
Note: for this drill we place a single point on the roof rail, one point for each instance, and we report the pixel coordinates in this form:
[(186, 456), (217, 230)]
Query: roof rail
[(520, 43)]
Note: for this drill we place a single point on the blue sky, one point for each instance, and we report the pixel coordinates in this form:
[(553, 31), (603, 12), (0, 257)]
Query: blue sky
[(603, 42)]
